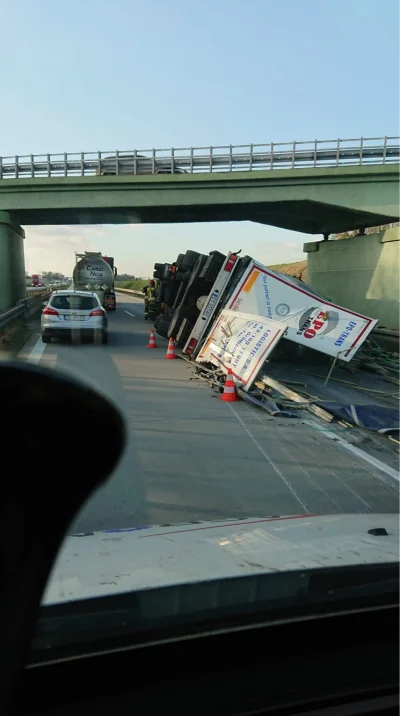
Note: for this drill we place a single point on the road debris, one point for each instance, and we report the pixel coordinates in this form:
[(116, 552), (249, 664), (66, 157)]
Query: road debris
[(295, 397)]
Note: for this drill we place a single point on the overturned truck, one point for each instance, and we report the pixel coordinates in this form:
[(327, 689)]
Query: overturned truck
[(196, 289)]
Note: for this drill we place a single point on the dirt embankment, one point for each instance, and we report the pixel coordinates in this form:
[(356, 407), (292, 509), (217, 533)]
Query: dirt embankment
[(297, 268)]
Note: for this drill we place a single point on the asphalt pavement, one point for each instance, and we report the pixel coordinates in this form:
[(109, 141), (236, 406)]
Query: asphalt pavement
[(192, 457)]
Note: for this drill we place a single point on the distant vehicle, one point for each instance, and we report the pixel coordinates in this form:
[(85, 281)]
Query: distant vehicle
[(74, 312), (139, 164), (36, 280), (94, 272)]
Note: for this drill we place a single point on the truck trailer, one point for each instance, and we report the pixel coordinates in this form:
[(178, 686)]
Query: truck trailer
[(196, 297), (94, 272)]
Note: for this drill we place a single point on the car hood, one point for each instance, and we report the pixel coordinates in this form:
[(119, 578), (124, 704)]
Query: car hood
[(123, 560)]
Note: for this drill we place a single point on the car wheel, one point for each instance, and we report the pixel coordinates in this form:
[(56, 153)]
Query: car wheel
[(46, 339), (104, 338)]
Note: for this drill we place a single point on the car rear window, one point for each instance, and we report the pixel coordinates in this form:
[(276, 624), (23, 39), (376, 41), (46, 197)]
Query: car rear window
[(74, 303)]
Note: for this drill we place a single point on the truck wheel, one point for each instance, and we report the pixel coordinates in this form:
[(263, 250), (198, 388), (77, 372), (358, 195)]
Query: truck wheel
[(183, 339), (162, 326), (157, 321), (181, 312), (179, 261), (190, 259)]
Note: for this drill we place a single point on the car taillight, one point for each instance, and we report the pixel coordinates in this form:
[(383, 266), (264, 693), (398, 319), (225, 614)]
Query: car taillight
[(230, 263), (48, 311), (97, 312), (192, 345)]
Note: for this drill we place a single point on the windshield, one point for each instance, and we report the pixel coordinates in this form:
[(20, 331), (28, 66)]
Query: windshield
[(74, 302), (247, 192)]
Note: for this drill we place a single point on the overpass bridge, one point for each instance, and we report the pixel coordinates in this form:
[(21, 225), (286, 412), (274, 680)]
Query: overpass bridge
[(317, 187)]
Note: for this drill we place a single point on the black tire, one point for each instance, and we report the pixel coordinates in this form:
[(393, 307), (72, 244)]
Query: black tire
[(185, 335), (104, 338), (175, 324), (190, 259), (180, 313), (46, 339), (162, 326), (179, 261), (158, 267), (157, 274)]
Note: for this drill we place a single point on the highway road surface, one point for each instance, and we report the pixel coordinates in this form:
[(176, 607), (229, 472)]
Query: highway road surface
[(191, 457)]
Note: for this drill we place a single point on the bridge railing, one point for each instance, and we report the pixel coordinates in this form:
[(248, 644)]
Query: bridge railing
[(229, 158)]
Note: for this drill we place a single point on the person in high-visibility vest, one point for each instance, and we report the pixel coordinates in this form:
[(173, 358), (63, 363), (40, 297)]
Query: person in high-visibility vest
[(149, 297)]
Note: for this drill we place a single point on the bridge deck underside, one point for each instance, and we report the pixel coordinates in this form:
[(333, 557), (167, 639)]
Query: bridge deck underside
[(306, 216)]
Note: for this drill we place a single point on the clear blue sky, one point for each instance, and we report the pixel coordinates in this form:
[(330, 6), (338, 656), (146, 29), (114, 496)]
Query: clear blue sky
[(106, 74)]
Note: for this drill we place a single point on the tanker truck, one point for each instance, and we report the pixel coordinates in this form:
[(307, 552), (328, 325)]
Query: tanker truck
[(94, 272)]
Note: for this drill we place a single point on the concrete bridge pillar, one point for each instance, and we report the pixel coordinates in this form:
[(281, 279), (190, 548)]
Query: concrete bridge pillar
[(12, 262), (360, 273)]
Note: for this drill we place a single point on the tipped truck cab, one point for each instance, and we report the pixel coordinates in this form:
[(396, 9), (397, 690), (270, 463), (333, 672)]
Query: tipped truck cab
[(182, 284)]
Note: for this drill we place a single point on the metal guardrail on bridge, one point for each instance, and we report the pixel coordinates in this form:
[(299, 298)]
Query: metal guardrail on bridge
[(287, 155)]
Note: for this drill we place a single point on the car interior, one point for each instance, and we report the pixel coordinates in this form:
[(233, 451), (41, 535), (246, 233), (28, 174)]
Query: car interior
[(338, 655)]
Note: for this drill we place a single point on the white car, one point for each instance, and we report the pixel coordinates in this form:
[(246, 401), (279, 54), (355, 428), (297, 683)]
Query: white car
[(71, 313)]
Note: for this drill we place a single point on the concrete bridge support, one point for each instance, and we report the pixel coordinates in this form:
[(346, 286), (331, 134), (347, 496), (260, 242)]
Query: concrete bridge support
[(361, 273), (12, 262)]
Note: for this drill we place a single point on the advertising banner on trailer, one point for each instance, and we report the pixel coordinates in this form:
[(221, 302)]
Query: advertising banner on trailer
[(241, 342), (310, 319)]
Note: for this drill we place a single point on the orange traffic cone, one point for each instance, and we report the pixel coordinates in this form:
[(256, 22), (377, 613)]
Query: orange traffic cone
[(229, 394), (170, 355), (152, 340)]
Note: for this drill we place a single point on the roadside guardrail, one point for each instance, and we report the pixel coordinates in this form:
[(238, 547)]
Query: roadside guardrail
[(130, 291), (28, 306), (25, 308)]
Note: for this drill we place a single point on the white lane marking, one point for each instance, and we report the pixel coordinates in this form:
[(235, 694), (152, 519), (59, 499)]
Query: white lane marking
[(331, 472), (130, 314), (37, 351), (300, 467), (268, 459), (360, 453)]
